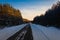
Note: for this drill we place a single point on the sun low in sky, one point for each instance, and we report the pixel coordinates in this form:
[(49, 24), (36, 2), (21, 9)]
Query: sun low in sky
[(30, 8)]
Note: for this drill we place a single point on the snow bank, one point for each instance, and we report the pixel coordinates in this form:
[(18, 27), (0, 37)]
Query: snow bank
[(7, 32)]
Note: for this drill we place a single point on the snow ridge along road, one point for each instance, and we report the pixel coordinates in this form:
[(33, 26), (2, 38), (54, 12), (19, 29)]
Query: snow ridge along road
[(8, 32)]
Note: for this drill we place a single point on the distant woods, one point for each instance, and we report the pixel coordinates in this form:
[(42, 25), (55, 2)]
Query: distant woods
[(51, 17), (9, 16)]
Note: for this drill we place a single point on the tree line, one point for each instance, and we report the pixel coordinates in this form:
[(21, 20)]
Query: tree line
[(51, 17)]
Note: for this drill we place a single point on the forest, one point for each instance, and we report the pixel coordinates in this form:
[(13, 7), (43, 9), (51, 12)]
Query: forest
[(51, 17)]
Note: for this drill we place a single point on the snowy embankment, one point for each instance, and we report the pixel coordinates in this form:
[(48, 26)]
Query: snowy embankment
[(7, 32), (45, 33)]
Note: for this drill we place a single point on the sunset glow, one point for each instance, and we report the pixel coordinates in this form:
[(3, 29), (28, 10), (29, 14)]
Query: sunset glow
[(30, 8)]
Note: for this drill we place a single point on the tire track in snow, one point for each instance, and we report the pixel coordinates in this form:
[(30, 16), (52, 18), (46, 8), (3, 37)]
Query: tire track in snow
[(23, 34)]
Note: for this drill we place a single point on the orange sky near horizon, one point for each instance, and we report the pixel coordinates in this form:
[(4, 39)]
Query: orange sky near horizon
[(30, 8)]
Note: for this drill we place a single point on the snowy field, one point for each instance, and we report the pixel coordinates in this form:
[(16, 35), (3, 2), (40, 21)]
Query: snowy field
[(7, 32)]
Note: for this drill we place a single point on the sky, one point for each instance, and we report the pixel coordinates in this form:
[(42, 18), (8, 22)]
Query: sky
[(30, 8)]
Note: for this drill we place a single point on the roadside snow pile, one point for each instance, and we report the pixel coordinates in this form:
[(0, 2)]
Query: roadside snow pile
[(7, 32), (45, 33)]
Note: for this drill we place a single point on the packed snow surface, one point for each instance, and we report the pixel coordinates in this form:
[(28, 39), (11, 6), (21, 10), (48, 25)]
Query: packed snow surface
[(45, 33)]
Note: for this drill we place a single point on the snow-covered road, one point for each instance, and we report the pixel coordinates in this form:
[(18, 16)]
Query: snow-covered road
[(38, 32), (45, 33)]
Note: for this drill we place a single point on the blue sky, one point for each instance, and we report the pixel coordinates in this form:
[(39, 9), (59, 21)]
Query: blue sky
[(30, 8)]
